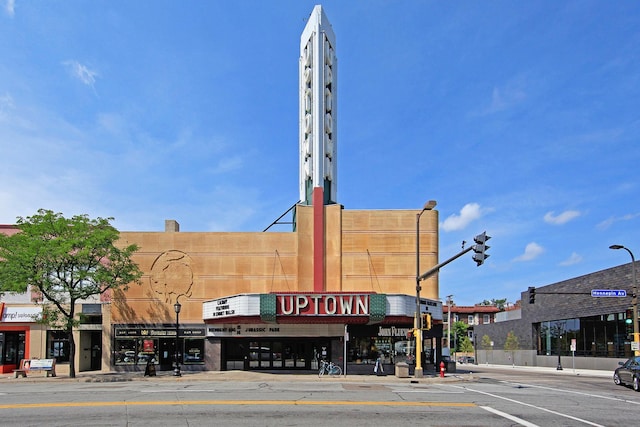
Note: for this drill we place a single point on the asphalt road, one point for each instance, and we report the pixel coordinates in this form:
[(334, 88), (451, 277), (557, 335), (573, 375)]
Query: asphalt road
[(488, 397)]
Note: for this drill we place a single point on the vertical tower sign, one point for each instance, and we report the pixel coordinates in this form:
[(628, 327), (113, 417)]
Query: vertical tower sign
[(318, 124)]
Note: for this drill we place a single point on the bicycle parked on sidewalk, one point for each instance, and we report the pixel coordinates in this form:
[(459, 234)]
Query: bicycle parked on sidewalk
[(329, 368)]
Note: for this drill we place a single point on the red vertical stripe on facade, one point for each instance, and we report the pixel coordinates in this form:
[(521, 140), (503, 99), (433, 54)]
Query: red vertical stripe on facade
[(318, 239)]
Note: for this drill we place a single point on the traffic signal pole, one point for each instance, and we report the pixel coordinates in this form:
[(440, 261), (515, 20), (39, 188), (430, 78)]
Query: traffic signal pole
[(479, 248), (435, 268)]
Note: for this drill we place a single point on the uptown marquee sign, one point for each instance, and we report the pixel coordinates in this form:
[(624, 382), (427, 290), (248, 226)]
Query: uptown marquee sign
[(270, 307), (286, 307), (322, 304)]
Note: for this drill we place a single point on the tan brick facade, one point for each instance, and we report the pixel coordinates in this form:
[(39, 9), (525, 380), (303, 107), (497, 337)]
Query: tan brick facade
[(365, 251)]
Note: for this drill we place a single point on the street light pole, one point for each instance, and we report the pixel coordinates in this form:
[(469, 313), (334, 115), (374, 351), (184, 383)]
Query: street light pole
[(417, 320), (559, 367), (634, 300), (177, 306)]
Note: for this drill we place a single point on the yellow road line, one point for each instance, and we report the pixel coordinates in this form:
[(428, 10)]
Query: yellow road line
[(234, 402)]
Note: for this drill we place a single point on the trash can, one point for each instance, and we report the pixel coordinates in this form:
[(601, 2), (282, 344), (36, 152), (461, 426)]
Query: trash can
[(402, 370), (451, 367)]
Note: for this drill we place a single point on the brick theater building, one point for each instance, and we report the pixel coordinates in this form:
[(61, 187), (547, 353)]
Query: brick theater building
[(339, 286)]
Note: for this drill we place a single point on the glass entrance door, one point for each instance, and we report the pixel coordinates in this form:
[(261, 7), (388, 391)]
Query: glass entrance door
[(297, 354)]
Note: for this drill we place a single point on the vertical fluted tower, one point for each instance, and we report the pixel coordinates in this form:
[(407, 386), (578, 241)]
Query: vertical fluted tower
[(318, 112)]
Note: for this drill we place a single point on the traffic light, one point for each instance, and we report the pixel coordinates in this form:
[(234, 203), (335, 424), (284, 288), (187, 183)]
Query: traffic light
[(628, 317), (426, 321), (628, 320), (480, 248), (532, 295)]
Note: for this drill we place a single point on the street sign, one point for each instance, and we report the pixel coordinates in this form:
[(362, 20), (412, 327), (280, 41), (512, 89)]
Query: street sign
[(608, 293)]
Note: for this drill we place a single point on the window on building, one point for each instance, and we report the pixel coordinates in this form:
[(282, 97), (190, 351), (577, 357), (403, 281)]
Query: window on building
[(470, 319), (193, 351), (456, 318), (595, 336), (132, 351), (11, 347), (58, 346), (486, 319)]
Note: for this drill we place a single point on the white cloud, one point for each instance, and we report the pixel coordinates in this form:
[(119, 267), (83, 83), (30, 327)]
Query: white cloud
[(531, 251), (82, 73), (573, 259), (610, 221), (10, 7), (506, 97), (468, 213), (563, 218)]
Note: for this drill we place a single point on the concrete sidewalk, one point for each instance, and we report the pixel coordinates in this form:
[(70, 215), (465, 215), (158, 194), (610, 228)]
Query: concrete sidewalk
[(234, 376), (566, 370), (464, 372)]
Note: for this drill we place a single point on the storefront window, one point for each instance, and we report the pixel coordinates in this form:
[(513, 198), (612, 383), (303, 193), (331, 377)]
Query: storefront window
[(58, 346), (131, 351), (368, 349), (147, 350), (193, 351), (594, 336)]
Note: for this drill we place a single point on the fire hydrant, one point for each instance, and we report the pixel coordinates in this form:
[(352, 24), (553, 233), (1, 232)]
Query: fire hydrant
[(441, 369)]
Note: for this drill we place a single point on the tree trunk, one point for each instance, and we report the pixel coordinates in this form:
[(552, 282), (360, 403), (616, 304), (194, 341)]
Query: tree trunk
[(72, 353), (72, 341)]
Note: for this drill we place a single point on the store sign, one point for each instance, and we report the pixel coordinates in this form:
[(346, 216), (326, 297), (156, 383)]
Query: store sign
[(393, 331), (322, 305), (260, 330), (21, 314), (158, 332)]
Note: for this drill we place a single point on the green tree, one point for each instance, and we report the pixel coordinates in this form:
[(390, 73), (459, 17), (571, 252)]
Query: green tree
[(458, 330), (465, 345), (512, 344), (65, 260), (499, 303)]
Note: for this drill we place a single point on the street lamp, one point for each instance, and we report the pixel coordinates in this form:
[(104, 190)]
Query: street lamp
[(417, 319), (559, 367), (634, 301), (177, 306)]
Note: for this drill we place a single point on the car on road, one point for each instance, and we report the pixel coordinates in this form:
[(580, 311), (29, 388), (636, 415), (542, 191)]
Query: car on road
[(628, 373)]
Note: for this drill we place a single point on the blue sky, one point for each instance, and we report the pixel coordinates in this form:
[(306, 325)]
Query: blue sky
[(519, 118)]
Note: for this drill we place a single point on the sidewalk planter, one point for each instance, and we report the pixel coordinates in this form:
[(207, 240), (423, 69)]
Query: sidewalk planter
[(402, 370)]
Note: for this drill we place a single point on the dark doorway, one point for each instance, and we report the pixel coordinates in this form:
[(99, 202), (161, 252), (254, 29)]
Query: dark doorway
[(96, 351), (167, 353)]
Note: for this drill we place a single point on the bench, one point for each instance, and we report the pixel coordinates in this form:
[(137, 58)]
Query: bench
[(36, 365)]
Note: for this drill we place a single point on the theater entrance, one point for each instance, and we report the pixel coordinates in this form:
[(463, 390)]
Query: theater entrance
[(276, 354)]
